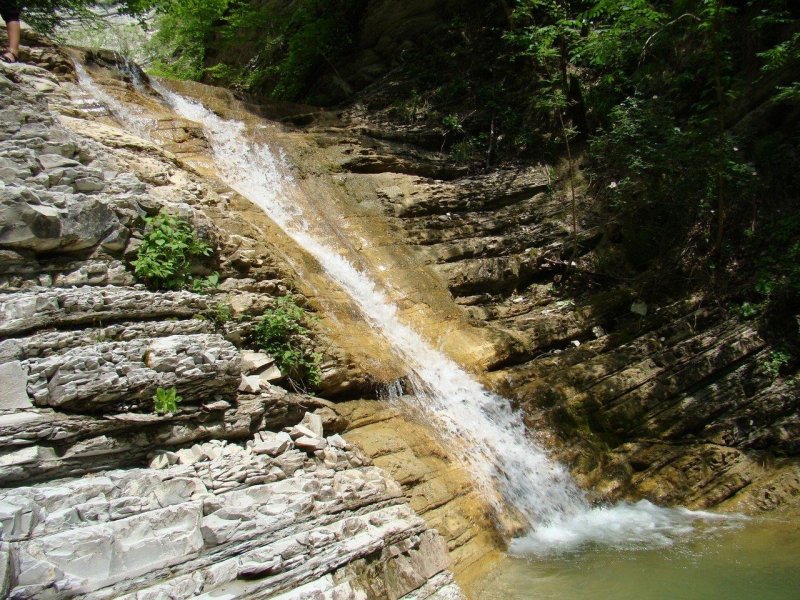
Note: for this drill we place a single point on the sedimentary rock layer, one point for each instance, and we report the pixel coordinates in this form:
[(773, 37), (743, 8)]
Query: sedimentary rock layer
[(102, 495)]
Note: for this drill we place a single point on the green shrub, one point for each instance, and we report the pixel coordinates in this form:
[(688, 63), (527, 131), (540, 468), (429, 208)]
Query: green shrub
[(164, 260), (166, 401), (222, 313), (184, 29), (204, 285), (776, 360), (747, 310), (282, 333), (264, 47)]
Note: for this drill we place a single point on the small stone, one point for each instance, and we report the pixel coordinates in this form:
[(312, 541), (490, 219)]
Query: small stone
[(159, 462), (255, 361), (55, 161), (217, 405), (338, 441), (250, 384), (311, 444), (313, 422), (272, 444), (187, 457), (271, 375), (300, 430), (88, 184)]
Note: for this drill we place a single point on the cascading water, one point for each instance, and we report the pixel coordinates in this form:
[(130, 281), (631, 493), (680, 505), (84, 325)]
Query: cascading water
[(482, 427), (492, 434), (140, 124)]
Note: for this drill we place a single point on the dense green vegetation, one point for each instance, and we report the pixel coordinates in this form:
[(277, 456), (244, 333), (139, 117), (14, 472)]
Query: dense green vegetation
[(267, 47), (283, 333), (166, 255)]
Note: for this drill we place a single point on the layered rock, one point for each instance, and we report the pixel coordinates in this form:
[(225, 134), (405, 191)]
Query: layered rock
[(434, 481), (105, 497), (671, 401), (224, 519)]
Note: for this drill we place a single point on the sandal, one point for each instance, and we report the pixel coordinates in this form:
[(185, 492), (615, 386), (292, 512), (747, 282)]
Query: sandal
[(9, 57)]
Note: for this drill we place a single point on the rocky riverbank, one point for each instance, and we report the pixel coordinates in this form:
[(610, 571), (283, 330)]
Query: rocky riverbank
[(245, 489)]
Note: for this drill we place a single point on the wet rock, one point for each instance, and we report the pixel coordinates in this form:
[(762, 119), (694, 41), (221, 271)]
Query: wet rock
[(210, 516)]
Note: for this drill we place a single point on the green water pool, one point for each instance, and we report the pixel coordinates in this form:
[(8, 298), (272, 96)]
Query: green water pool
[(758, 559)]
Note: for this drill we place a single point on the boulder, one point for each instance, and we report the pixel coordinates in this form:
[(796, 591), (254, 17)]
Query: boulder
[(28, 222)]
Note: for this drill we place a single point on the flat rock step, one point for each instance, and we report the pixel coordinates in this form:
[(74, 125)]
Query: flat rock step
[(40, 308)]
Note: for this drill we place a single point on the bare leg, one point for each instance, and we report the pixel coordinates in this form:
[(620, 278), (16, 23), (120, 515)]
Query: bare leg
[(13, 28)]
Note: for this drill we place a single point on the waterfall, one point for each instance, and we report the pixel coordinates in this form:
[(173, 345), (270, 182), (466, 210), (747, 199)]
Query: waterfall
[(134, 118), (479, 426)]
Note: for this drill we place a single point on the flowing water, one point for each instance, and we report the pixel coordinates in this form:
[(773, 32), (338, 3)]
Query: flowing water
[(481, 427), (132, 116)]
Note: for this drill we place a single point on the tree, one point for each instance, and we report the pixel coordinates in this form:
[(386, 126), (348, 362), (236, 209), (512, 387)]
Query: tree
[(46, 16)]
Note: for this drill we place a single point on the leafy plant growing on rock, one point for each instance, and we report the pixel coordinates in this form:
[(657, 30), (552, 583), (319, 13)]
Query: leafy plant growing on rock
[(205, 284), (221, 313), (282, 332), (164, 259), (776, 360), (166, 400)]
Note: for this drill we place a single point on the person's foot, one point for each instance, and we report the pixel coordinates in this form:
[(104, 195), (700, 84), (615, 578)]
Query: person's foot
[(9, 57)]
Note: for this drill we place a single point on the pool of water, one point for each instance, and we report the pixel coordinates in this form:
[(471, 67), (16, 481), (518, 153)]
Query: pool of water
[(751, 560)]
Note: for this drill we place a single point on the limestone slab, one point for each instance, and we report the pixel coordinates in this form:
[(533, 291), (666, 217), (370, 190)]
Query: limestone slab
[(13, 386)]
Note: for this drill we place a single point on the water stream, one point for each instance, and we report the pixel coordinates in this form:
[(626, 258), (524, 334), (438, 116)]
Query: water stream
[(481, 427)]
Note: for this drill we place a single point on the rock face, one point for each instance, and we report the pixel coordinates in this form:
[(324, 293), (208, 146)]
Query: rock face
[(104, 497), (434, 483), (225, 521), (242, 491), (668, 399)]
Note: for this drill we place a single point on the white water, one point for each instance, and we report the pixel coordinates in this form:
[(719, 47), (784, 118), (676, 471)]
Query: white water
[(481, 427), (133, 117)]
